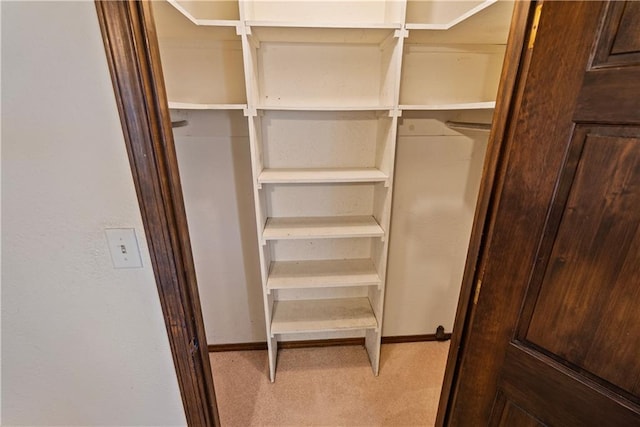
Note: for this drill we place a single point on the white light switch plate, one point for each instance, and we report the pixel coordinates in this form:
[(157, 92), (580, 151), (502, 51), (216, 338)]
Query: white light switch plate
[(123, 246)]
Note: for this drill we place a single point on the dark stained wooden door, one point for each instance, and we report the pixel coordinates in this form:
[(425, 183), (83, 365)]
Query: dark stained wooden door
[(554, 335)]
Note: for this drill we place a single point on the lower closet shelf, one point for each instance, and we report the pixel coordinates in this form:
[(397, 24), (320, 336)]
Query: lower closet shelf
[(322, 274), (321, 227), (323, 315)]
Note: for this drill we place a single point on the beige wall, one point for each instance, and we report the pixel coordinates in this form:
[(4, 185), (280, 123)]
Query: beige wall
[(82, 343)]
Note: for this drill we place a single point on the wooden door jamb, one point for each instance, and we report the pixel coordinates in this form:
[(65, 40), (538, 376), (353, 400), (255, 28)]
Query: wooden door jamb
[(507, 103)]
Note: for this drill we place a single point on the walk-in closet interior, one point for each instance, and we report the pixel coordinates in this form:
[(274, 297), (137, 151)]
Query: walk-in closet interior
[(330, 154)]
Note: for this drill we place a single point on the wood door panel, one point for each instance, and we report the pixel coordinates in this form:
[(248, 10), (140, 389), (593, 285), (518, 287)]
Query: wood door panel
[(559, 396), (619, 42), (627, 38), (507, 414), (610, 96), (514, 416), (594, 266)]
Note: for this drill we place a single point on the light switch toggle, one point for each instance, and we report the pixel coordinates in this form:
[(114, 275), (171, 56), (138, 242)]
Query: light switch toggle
[(123, 246)]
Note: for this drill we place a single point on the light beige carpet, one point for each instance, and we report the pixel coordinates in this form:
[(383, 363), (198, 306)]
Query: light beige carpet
[(331, 386)]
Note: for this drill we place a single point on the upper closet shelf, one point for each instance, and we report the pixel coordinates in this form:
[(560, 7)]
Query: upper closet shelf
[(488, 105), (442, 14), (214, 13), (215, 22), (324, 175), (337, 34), (194, 106), (336, 25), (202, 65), (481, 24), (333, 107), (321, 227)]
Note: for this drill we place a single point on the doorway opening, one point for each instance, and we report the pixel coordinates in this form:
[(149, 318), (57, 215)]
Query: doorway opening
[(177, 248)]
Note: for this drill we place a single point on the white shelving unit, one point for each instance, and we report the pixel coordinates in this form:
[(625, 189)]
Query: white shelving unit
[(322, 86)]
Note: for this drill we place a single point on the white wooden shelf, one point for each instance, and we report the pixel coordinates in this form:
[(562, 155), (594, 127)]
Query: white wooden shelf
[(218, 13), (321, 35), (336, 25), (334, 107), (301, 316), (195, 106), (486, 105), (321, 227), (172, 23), (323, 175), (322, 274)]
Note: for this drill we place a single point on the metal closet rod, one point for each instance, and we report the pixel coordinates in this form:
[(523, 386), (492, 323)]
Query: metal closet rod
[(179, 123), (469, 125)]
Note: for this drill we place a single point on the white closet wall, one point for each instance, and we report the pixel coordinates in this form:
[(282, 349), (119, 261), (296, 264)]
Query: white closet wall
[(335, 90), (448, 75), (215, 170), (436, 186)]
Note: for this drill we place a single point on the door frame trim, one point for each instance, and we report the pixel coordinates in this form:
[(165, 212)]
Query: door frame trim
[(514, 71), (131, 45)]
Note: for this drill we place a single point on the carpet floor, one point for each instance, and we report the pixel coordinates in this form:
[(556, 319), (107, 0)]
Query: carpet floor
[(331, 386)]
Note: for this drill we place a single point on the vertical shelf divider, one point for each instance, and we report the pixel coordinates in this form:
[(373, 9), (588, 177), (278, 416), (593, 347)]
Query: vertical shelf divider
[(257, 165)]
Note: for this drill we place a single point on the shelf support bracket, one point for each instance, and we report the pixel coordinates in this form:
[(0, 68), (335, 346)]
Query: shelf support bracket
[(240, 29), (403, 32), (250, 111)]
